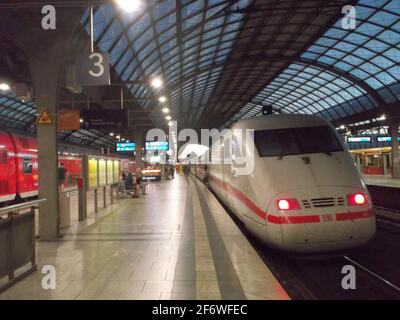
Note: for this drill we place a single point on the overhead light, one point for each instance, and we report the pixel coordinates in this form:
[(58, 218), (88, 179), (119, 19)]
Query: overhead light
[(382, 117), (111, 134), (129, 5), (165, 110), (4, 86), (123, 139), (162, 99), (342, 127), (118, 137), (81, 120), (127, 141), (170, 123), (156, 83), (168, 117)]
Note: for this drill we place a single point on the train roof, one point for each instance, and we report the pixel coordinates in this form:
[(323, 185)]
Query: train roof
[(278, 121)]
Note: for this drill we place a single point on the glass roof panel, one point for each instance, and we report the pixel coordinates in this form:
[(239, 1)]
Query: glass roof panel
[(370, 53), (147, 44)]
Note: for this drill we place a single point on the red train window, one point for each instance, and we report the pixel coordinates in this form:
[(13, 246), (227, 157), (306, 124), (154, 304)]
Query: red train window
[(27, 165)]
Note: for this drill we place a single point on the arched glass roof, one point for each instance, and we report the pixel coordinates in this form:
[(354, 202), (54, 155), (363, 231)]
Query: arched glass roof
[(175, 40), (370, 52), (223, 60), (16, 114), (336, 76)]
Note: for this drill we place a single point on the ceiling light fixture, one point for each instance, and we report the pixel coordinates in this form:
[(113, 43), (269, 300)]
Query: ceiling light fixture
[(5, 86), (381, 118), (162, 99), (168, 117), (165, 110), (129, 5), (156, 83)]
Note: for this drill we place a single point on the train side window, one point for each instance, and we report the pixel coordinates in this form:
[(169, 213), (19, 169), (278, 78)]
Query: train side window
[(227, 149), (236, 148), (373, 160), (27, 165)]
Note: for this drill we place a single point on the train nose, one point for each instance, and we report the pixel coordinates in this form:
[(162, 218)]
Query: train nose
[(326, 218)]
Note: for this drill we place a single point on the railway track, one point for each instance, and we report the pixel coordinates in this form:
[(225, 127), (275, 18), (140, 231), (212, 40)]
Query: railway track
[(377, 267), (388, 218)]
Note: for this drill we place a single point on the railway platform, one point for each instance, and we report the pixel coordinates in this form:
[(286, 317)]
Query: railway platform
[(177, 242), (381, 180)]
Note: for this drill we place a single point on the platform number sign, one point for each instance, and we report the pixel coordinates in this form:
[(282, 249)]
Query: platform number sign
[(349, 20), (93, 69)]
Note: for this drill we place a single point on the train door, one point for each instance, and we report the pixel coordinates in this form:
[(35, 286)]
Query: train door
[(359, 161), (238, 181), (226, 170), (8, 179), (27, 164)]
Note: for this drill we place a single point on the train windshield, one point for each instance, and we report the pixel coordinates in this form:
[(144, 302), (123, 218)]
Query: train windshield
[(292, 141)]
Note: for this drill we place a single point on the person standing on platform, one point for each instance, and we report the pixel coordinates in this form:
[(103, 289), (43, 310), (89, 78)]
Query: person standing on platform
[(121, 186), (129, 181), (186, 170), (136, 187), (140, 183)]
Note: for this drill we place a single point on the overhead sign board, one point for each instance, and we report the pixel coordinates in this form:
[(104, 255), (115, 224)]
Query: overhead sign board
[(121, 146), (68, 120), (92, 69), (386, 139), (157, 145), (359, 139), (104, 119)]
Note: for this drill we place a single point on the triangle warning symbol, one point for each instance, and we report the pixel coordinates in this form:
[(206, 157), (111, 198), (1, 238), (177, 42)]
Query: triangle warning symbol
[(44, 119)]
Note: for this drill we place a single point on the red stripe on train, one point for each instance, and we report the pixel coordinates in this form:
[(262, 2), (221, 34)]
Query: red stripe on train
[(240, 196), (285, 219), (354, 215), (293, 219)]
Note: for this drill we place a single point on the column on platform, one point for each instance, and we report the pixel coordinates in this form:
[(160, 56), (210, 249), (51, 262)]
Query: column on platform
[(394, 130)]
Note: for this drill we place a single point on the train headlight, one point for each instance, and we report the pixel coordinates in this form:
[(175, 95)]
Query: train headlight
[(287, 204), (357, 199)]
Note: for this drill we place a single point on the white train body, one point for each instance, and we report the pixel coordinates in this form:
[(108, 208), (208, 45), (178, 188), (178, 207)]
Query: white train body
[(325, 204)]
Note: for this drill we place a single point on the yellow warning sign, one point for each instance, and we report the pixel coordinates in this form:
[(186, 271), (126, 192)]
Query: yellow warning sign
[(44, 119)]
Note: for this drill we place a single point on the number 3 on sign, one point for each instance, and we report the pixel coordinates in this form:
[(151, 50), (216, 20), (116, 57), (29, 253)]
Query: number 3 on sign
[(97, 64)]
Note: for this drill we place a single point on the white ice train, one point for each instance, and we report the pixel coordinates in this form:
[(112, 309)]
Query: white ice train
[(305, 194)]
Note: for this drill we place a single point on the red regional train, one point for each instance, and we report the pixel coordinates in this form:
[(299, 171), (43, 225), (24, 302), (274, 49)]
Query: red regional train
[(19, 168)]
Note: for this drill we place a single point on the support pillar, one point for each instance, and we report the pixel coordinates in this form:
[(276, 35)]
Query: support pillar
[(82, 208), (138, 134), (45, 78), (96, 205), (104, 197), (112, 194), (83, 188), (394, 131), (46, 51)]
